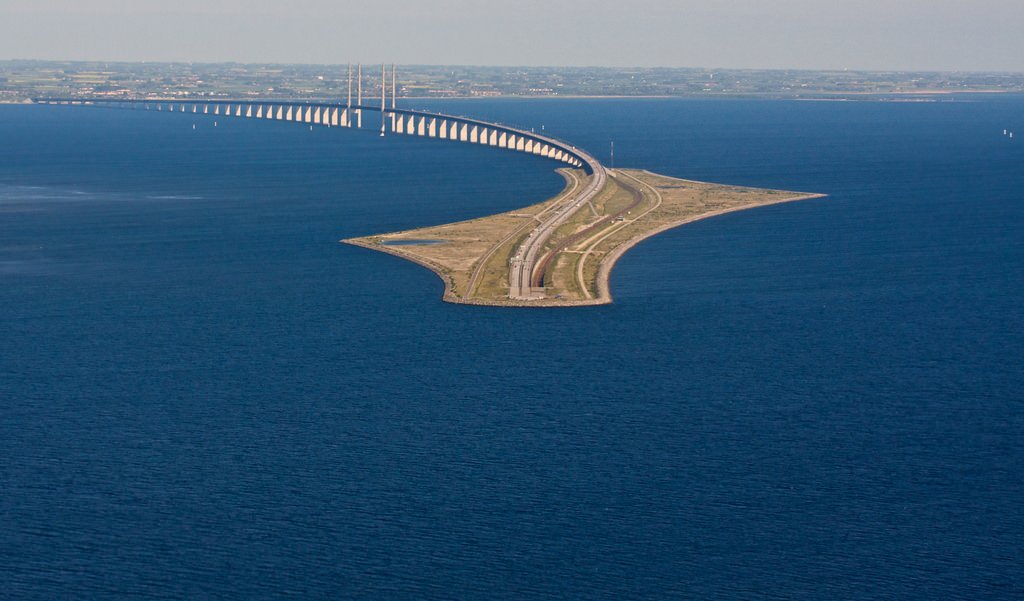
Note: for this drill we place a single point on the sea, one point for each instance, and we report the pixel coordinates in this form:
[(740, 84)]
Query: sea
[(204, 395)]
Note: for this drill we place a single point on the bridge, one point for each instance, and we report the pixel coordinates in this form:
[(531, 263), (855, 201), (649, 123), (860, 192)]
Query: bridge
[(526, 273)]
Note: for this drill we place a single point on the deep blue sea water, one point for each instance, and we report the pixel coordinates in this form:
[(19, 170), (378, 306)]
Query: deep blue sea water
[(203, 395)]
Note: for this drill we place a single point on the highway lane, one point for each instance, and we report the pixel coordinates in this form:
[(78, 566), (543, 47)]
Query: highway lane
[(524, 261), (544, 263), (482, 265)]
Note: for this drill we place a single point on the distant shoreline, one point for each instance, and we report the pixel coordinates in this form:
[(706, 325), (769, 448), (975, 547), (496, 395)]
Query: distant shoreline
[(810, 96)]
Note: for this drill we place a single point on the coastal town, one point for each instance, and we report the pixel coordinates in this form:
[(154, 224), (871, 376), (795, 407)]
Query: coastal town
[(22, 80)]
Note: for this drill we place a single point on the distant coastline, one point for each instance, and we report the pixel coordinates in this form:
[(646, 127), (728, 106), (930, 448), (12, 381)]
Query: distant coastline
[(22, 79), (909, 96)]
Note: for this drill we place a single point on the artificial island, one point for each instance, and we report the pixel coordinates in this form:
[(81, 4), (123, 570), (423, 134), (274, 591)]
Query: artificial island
[(559, 252)]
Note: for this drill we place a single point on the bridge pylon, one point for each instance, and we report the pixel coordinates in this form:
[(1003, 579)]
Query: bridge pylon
[(383, 96)]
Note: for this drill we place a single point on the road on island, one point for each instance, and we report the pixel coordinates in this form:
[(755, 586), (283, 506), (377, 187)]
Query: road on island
[(523, 264), (591, 243), (540, 271), (481, 266)]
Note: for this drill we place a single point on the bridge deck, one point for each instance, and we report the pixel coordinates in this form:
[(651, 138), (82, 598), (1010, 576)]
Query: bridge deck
[(421, 123)]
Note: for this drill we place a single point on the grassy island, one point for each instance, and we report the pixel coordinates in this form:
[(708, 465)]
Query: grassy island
[(473, 257)]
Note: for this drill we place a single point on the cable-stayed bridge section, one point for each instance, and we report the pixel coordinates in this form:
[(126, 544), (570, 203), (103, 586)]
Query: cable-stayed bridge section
[(393, 120)]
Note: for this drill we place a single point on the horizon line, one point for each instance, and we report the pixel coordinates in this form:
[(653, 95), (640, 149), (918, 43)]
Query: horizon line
[(519, 66)]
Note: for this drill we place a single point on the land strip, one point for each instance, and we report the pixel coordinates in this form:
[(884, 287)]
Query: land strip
[(476, 258)]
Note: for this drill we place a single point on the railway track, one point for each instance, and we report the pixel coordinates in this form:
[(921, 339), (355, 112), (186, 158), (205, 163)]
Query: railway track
[(541, 271)]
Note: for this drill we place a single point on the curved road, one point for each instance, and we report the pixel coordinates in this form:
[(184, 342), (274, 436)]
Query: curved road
[(574, 183), (525, 260)]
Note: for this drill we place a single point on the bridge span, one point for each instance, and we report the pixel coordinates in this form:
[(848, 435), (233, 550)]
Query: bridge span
[(393, 120), (526, 263)]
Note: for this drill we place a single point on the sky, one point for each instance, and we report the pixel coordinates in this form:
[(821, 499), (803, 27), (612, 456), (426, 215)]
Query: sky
[(936, 35)]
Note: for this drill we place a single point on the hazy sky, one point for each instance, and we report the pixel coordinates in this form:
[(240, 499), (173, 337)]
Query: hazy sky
[(826, 34)]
